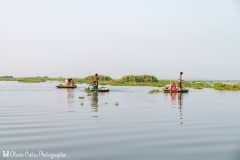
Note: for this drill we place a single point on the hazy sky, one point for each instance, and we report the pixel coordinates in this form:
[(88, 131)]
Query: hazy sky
[(116, 37)]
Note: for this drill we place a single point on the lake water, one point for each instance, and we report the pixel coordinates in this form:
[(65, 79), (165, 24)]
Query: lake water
[(125, 124)]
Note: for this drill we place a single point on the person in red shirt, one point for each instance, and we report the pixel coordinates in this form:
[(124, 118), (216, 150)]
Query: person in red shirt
[(173, 86)]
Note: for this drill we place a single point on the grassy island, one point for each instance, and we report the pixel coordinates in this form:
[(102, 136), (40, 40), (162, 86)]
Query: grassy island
[(132, 80)]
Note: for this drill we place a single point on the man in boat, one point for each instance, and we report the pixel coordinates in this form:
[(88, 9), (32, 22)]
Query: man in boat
[(72, 82), (69, 82), (181, 81), (95, 80)]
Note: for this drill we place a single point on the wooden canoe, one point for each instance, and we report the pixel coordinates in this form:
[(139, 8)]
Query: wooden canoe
[(102, 89), (176, 91), (66, 86)]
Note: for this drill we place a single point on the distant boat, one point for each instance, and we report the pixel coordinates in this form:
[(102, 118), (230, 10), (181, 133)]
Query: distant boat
[(66, 86), (180, 89), (69, 83), (167, 90), (101, 89)]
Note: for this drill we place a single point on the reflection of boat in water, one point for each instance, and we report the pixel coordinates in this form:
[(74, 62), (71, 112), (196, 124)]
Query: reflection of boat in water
[(94, 102), (177, 100), (100, 89), (180, 103), (69, 97)]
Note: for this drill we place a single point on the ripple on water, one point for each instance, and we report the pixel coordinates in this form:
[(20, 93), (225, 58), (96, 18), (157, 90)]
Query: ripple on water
[(140, 128)]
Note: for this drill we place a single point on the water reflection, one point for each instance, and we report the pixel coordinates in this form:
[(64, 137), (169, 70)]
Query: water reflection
[(70, 97), (180, 103), (174, 98), (94, 102), (177, 99)]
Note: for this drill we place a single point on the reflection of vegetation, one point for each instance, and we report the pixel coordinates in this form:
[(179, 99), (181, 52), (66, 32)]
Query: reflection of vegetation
[(154, 91), (130, 80)]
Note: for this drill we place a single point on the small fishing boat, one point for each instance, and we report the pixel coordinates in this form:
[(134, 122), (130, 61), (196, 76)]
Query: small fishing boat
[(172, 88), (166, 90), (69, 83), (101, 89), (66, 86)]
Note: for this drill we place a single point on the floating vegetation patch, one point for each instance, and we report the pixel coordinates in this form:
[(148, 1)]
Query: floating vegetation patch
[(154, 91), (227, 87), (89, 94), (81, 97)]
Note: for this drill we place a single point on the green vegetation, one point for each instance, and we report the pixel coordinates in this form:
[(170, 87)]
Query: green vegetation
[(132, 80), (154, 91), (197, 84), (58, 79), (136, 80), (227, 87), (81, 97), (24, 79), (7, 78), (116, 103), (103, 79), (139, 79), (32, 79)]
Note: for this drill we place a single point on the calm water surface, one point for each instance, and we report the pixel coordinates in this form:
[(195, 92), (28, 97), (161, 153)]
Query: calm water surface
[(125, 124)]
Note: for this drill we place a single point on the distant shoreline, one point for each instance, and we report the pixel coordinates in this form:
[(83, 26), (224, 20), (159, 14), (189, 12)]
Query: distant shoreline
[(135, 80)]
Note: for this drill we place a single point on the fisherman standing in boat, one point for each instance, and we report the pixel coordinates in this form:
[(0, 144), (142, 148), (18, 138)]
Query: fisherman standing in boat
[(95, 80), (72, 82), (181, 81)]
